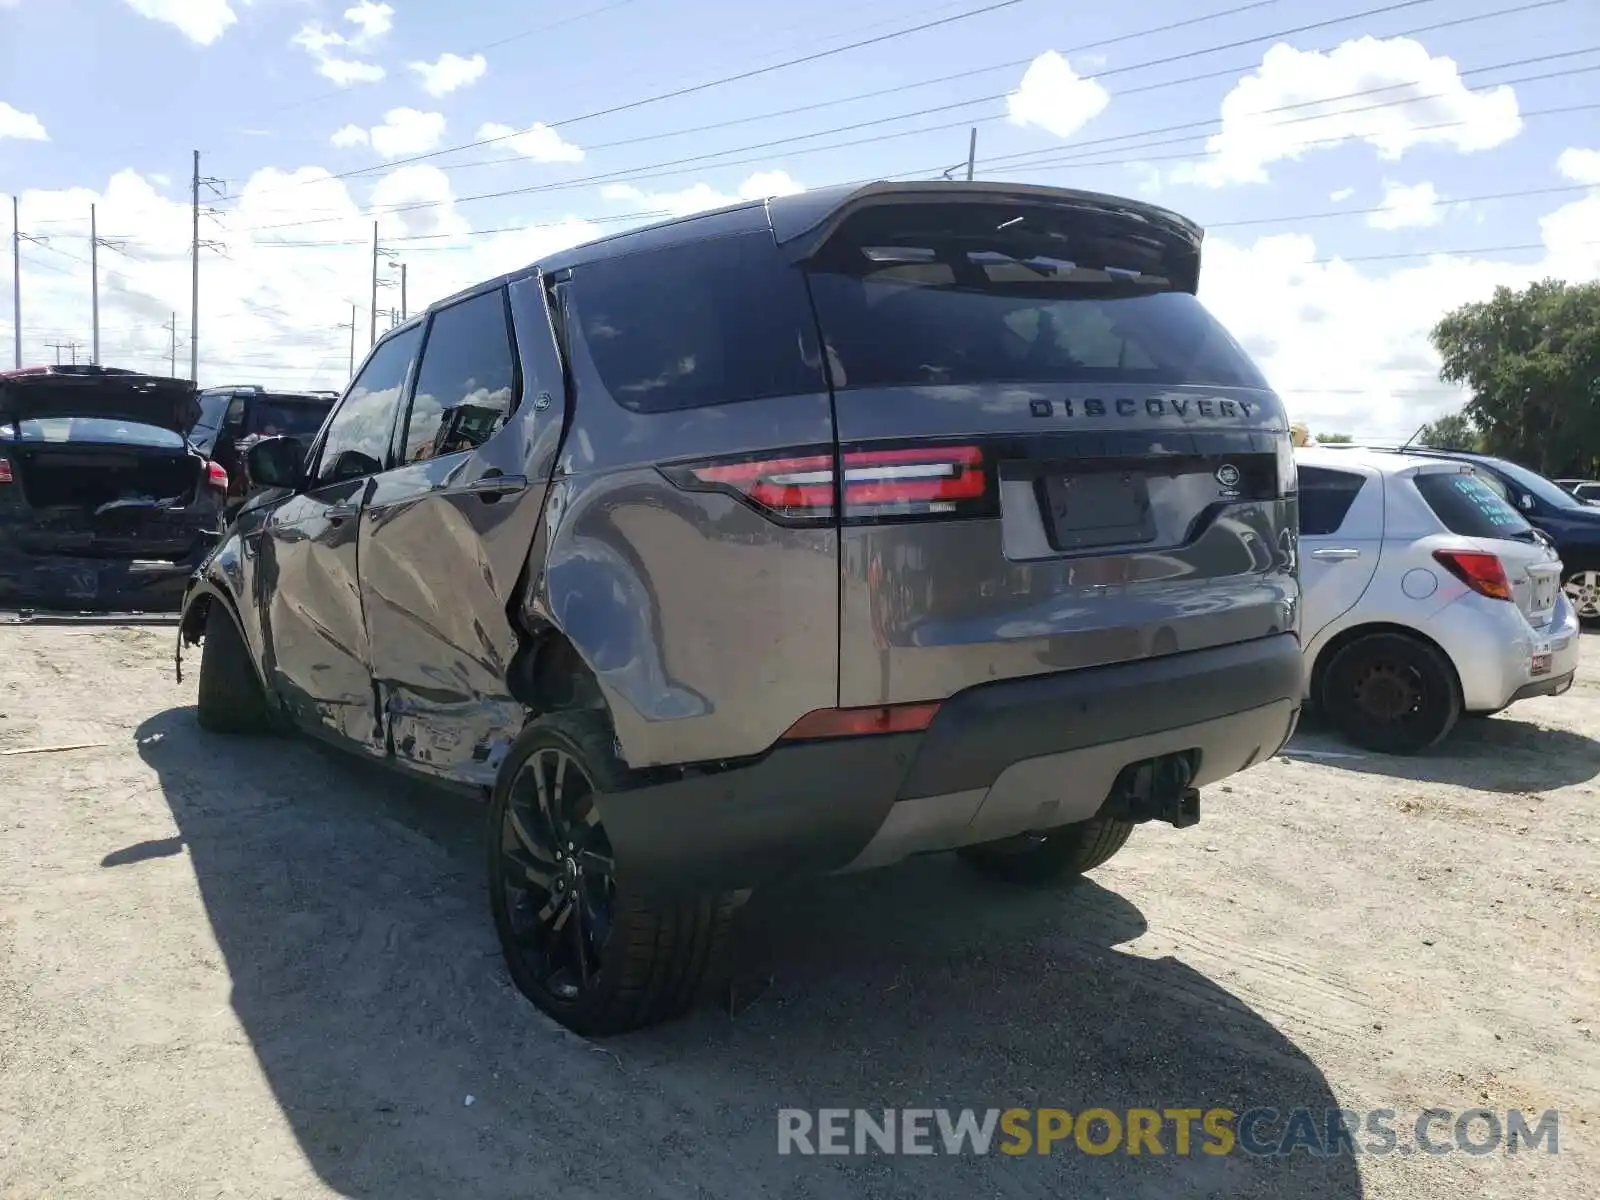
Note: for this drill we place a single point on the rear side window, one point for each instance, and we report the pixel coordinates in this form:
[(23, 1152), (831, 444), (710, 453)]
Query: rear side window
[(963, 294), (466, 380), (1325, 498), (1468, 506), (700, 323)]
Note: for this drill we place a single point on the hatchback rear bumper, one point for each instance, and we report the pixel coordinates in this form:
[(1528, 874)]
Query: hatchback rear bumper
[(999, 759)]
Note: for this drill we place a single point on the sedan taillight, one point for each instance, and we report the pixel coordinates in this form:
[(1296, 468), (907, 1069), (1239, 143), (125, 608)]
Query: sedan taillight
[(216, 477), (5, 470)]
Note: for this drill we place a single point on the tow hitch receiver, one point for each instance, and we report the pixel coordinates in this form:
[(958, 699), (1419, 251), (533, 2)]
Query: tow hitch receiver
[(1157, 789)]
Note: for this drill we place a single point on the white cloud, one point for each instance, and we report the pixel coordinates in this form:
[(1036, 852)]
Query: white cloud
[(538, 142), (1580, 166), (702, 197), (320, 44), (1343, 194), (374, 20), (1403, 207), (449, 72), (349, 135), (1055, 98), (14, 123), (1259, 129), (407, 131), (202, 21)]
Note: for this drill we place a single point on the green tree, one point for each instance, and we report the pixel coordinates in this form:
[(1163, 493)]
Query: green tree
[(1532, 360), (1453, 431), (1335, 439)]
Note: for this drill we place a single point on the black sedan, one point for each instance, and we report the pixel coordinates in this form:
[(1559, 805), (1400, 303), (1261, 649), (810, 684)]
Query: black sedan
[(104, 505)]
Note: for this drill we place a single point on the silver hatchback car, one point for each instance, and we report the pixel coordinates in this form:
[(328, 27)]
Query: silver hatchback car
[(793, 538)]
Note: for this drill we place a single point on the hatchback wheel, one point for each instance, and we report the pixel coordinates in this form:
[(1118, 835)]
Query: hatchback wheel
[(1583, 592), (1391, 693), (576, 943)]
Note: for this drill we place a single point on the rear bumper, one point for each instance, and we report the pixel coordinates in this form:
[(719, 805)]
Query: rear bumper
[(999, 759), (75, 584), (1494, 649)]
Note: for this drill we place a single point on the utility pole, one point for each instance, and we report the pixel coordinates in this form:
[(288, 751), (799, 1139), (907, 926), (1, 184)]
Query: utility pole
[(972, 152), (385, 253), (197, 246), (17, 238), (403, 311), (352, 328), (16, 281), (172, 328), (94, 282), (69, 345)]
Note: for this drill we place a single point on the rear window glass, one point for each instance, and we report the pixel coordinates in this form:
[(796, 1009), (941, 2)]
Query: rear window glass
[(1325, 498), (97, 429), (293, 418), (706, 322), (1467, 506), (962, 294)]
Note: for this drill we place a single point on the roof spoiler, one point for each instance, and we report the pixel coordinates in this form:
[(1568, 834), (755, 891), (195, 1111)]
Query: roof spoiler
[(803, 223)]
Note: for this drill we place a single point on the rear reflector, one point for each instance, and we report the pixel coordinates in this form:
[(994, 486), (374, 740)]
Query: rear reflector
[(1483, 573), (5, 470), (853, 722), (216, 477), (901, 482)]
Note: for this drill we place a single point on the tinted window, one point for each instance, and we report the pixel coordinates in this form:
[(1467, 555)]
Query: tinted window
[(466, 381), (1325, 498), (1465, 504), (702, 323), (210, 412), (961, 294), (97, 429), (272, 416), (358, 435)]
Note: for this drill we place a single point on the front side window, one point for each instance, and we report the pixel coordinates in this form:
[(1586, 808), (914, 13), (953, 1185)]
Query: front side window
[(466, 383), (357, 442), (709, 322), (1325, 498)]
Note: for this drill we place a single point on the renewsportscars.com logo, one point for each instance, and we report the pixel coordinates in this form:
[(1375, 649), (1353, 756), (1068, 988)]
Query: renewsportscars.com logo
[(1262, 1132)]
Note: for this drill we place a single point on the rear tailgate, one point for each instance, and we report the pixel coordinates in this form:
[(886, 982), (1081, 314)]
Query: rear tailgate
[(1466, 505), (1053, 457)]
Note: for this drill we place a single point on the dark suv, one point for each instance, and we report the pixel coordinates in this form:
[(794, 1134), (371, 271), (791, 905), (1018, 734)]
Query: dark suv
[(234, 418), (793, 538)]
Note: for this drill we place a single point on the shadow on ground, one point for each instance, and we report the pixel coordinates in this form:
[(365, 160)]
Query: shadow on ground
[(349, 906), (1492, 754)]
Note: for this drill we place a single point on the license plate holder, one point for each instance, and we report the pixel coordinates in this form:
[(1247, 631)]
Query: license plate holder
[(1092, 509)]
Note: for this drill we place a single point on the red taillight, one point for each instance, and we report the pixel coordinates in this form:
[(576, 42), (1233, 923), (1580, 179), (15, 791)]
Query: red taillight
[(904, 481), (853, 722), (216, 477), (1483, 573), (5, 470)]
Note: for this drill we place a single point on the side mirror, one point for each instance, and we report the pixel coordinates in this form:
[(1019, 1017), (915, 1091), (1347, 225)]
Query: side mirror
[(276, 462)]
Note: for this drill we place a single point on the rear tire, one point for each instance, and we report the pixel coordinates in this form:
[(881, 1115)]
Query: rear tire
[(231, 699), (597, 959), (1392, 694), (1043, 858)]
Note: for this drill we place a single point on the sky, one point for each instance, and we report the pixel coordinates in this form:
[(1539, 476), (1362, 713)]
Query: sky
[(1360, 167)]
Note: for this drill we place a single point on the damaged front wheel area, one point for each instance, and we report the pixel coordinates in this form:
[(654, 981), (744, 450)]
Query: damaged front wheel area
[(231, 699)]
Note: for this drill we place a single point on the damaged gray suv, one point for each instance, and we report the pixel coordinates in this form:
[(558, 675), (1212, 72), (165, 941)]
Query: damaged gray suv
[(793, 538)]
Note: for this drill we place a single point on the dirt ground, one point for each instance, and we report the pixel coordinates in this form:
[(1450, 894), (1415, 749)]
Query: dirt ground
[(255, 969)]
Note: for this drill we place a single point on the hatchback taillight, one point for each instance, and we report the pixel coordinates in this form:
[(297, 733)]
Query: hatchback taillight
[(5, 470), (1483, 573), (216, 477), (801, 488)]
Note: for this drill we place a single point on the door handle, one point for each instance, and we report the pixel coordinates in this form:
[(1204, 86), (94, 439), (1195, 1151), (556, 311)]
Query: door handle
[(1341, 554), (492, 487), (341, 512)]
